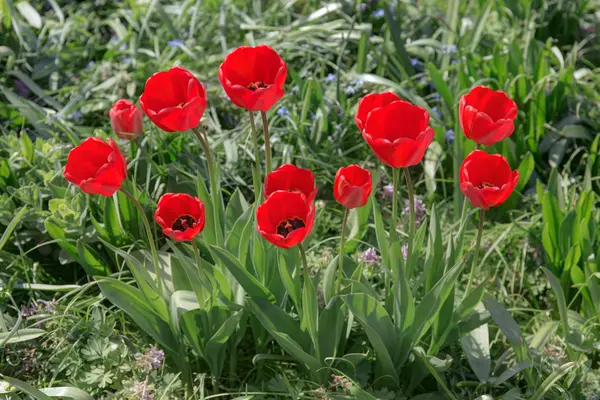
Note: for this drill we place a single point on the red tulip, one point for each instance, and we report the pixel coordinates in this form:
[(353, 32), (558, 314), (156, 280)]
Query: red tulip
[(180, 216), (487, 116), (174, 100), (285, 218), (253, 77), (352, 186), (290, 178), (96, 167), (126, 119), (486, 179), (397, 132)]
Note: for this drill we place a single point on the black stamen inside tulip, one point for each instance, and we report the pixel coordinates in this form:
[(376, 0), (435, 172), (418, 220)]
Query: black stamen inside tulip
[(183, 222), (289, 225), (486, 184), (257, 85)]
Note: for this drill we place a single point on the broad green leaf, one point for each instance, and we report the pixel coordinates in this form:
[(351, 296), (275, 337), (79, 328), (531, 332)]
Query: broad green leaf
[(505, 321), (358, 224), (560, 298), (549, 382), (67, 392), (526, 168), (216, 346), (29, 13), (331, 324), (27, 148), (440, 85), (512, 371), (310, 313), (250, 284), (131, 300), (11, 226), (181, 302), (288, 260), (476, 345), (543, 335), (20, 335), (378, 327), (26, 388), (235, 208)]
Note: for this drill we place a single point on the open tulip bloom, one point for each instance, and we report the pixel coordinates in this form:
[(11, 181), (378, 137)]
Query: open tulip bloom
[(96, 167), (486, 179), (487, 116), (180, 216), (174, 100), (290, 178), (397, 131), (253, 77)]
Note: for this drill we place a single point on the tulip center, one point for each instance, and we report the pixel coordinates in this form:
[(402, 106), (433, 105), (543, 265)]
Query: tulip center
[(486, 185), (255, 85), (183, 222), (289, 225)]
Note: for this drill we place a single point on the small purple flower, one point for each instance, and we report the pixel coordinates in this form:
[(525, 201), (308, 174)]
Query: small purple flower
[(155, 356), (435, 96), (128, 61), (76, 116), (379, 13), (388, 191), (330, 78), (90, 64), (123, 47), (28, 311), (449, 136), (22, 89), (362, 7), (437, 112), (405, 252), (419, 210), (358, 83), (370, 256), (283, 112), (414, 62), (350, 90), (175, 43), (449, 49)]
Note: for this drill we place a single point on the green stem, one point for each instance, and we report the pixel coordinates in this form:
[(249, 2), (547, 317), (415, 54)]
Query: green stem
[(393, 233), (148, 228), (475, 254), (412, 224), (304, 262), (257, 175), (197, 256), (267, 142), (214, 190), (341, 267)]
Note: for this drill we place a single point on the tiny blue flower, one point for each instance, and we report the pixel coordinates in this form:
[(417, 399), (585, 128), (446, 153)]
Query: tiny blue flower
[(350, 90), (90, 64), (449, 49), (123, 47), (283, 112), (435, 96), (437, 112), (379, 13), (449, 136), (359, 83), (128, 61), (174, 43), (330, 78), (296, 89), (414, 62), (76, 116)]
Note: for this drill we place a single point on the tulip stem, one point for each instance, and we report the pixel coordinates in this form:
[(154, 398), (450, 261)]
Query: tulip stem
[(267, 142), (197, 256), (394, 205), (148, 228), (474, 266), (412, 225), (304, 262), (341, 267), (214, 190), (256, 175)]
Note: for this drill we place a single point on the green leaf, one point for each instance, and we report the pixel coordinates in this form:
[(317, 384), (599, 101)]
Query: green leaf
[(29, 13), (438, 81), (381, 235), (131, 300), (11, 226), (310, 312), (250, 284), (90, 260), (358, 224), (553, 378), (20, 335), (560, 298), (526, 168), (27, 148), (284, 330), (216, 346), (505, 321), (331, 324), (476, 345), (378, 327), (26, 388), (288, 260), (479, 27), (512, 371), (235, 208)]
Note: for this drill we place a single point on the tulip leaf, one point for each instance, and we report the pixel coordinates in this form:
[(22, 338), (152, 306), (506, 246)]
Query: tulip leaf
[(476, 345), (216, 346), (250, 284), (505, 321)]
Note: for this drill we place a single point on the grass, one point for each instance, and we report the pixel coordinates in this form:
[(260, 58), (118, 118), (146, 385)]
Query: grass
[(64, 63)]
